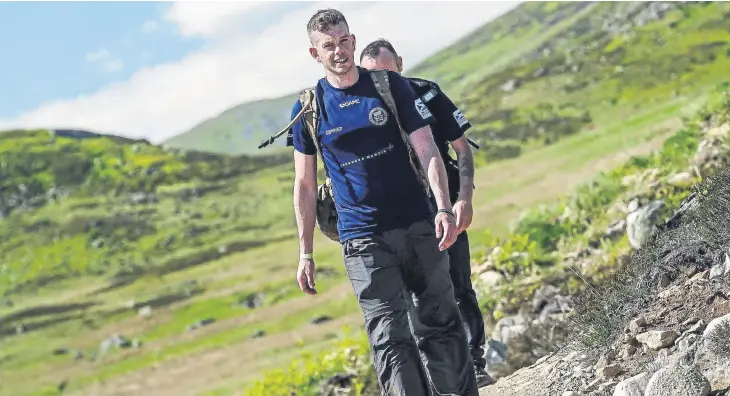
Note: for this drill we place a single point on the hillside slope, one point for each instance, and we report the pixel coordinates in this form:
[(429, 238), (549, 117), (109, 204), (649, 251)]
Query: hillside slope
[(91, 204), (660, 322)]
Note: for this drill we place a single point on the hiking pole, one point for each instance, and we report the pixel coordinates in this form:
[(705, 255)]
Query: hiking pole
[(275, 136)]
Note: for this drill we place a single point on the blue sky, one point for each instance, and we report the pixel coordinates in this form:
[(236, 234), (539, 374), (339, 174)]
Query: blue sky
[(51, 41), (154, 70)]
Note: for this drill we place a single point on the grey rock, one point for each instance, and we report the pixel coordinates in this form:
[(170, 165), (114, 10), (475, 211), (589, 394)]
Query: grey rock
[(678, 380), (610, 371), (713, 351), (511, 85), (682, 179), (509, 328), (633, 386), (658, 339), (636, 325), (697, 328), (606, 385), (628, 351), (717, 271), (633, 206), (490, 279), (686, 342), (640, 223)]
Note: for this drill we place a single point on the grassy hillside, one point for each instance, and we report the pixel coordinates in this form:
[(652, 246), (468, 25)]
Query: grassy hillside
[(126, 268), (547, 70), (94, 205)]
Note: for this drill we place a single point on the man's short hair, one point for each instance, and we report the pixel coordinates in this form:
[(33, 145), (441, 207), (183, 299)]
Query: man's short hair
[(372, 50), (324, 20)]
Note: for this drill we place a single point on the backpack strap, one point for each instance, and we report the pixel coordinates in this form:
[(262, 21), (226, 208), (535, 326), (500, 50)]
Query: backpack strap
[(382, 85), (310, 112)]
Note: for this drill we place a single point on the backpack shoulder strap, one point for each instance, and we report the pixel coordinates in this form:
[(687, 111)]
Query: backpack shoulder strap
[(308, 99), (382, 85)]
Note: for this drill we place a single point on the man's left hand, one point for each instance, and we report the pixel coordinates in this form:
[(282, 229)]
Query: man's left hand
[(464, 212)]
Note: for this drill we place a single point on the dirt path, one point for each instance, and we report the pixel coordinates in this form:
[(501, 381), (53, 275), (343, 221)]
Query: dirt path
[(197, 373), (526, 381), (549, 186)]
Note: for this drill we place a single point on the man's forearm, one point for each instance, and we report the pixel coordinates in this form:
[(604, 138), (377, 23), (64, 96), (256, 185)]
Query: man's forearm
[(433, 165), (437, 178), (305, 201), (465, 162)]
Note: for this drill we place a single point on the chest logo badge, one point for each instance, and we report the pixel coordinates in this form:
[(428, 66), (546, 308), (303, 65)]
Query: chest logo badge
[(378, 116)]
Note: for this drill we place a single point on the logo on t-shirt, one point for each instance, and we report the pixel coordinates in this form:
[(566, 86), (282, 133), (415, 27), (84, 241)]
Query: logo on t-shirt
[(422, 109), (378, 116), (349, 103), (460, 118)]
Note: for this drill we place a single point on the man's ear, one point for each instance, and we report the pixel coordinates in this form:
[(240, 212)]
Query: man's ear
[(314, 54), (354, 42), (399, 62)]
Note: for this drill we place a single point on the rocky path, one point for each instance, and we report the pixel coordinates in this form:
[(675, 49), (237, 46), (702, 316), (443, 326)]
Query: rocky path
[(678, 346)]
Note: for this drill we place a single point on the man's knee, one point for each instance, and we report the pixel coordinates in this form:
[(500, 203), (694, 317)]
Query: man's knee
[(388, 329)]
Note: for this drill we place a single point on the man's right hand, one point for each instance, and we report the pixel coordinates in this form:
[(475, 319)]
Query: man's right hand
[(446, 229), (305, 276)]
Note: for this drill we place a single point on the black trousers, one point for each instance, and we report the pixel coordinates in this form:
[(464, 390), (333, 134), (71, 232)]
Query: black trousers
[(401, 270), (466, 298)]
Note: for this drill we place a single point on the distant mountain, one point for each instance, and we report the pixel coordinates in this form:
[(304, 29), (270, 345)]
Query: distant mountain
[(238, 130)]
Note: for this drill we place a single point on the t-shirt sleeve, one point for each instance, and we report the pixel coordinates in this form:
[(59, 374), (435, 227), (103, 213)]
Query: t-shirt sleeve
[(414, 114), (451, 121), (300, 138)]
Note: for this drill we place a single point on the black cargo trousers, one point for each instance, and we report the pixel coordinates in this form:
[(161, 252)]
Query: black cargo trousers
[(466, 298), (388, 269)]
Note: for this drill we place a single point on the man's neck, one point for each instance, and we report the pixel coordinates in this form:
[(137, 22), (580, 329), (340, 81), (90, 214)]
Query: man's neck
[(343, 81)]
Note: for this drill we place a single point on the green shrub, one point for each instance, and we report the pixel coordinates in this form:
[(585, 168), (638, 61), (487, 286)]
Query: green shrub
[(303, 376)]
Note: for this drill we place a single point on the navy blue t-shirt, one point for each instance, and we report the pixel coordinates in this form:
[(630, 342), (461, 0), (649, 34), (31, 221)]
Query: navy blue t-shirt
[(375, 188)]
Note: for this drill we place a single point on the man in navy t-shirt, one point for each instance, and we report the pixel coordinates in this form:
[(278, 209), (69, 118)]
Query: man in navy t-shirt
[(448, 129), (387, 227)]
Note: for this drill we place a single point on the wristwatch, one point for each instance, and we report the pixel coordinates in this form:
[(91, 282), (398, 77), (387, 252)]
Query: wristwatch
[(305, 256)]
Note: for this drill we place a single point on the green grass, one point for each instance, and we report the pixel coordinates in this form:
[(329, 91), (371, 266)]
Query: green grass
[(52, 254)]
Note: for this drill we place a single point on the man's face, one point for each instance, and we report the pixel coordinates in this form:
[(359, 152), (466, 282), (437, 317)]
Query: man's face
[(384, 60), (334, 49)]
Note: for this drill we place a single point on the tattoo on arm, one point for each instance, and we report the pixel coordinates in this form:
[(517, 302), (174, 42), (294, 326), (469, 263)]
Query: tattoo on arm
[(465, 163)]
